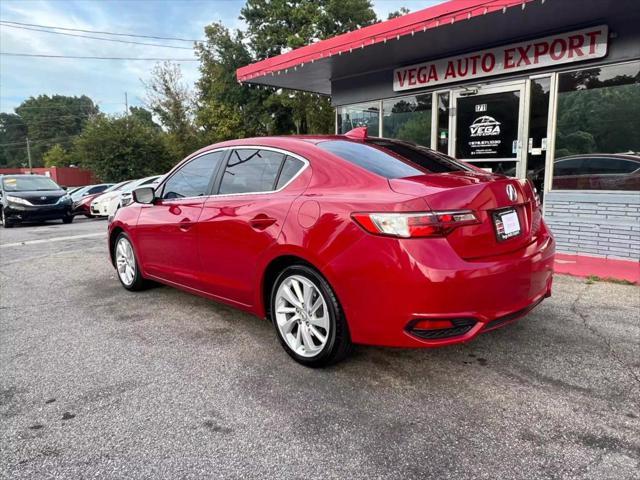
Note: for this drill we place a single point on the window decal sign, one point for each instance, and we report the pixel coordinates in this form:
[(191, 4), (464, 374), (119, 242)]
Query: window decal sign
[(576, 46), (491, 133)]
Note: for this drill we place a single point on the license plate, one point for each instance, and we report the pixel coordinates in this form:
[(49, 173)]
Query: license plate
[(507, 224)]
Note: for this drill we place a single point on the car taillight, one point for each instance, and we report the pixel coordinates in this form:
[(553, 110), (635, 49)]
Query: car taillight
[(415, 224)]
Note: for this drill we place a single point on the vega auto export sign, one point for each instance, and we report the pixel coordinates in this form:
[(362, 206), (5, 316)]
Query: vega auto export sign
[(579, 45)]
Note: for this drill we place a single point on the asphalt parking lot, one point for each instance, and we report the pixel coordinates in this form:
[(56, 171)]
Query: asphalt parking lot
[(99, 382)]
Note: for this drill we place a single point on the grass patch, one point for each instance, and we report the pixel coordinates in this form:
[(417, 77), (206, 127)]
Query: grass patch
[(591, 279)]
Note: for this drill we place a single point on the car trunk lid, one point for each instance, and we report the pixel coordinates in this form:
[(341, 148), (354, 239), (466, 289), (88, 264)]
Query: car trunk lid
[(490, 197)]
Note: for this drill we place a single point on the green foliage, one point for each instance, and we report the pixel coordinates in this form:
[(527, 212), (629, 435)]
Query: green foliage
[(57, 156), (171, 100), (596, 116), (144, 115), (53, 120), (13, 136), (398, 13), (227, 109), (121, 148), (273, 25)]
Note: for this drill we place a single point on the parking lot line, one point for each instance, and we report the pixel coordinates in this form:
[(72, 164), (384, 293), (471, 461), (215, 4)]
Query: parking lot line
[(54, 239)]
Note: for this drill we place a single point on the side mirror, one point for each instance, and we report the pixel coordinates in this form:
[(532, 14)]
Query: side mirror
[(144, 195)]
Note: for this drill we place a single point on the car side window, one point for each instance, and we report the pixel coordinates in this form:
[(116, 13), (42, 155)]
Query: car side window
[(97, 189), (289, 170), (567, 167), (193, 178), (604, 165), (251, 170)]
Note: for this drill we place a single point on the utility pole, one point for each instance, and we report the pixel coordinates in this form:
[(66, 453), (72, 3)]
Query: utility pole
[(29, 154), (126, 104)]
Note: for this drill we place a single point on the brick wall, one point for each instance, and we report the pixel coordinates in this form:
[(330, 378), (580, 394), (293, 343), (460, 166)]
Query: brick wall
[(595, 223)]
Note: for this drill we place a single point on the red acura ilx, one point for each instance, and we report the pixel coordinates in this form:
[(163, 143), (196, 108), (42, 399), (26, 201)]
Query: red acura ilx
[(340, 240)]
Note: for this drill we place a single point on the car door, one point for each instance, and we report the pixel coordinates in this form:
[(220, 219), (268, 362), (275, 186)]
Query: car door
[(244, 218), (166, 233)]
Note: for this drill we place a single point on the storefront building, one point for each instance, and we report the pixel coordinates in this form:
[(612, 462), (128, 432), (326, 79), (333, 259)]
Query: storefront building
[(545, 90)]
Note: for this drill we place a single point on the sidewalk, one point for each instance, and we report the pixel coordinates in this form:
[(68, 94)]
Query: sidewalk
[(585, 266)]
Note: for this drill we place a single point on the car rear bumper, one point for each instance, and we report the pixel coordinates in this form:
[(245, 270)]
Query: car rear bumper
[(24, 213), (397, 287)]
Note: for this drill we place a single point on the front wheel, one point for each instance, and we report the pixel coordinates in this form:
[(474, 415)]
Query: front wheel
[(127, 265), (308, 318), (3, 219), (67, 219)]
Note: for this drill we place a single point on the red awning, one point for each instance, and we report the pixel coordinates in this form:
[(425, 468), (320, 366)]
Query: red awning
[(410, 24)]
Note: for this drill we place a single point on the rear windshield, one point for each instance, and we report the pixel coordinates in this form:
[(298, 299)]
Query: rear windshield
[(392, 159), (28, 183)]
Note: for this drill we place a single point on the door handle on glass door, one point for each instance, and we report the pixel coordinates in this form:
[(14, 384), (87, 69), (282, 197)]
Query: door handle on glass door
[(261, 221)]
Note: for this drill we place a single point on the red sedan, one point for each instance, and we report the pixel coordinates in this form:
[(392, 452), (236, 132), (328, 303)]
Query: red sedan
[(340, 240)]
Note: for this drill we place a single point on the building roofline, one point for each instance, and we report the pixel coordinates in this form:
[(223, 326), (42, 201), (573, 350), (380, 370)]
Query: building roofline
[(422, 20)]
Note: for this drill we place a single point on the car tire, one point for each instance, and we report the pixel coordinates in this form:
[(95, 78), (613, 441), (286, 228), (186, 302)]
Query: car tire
[(88, 215), (5, 223), (67, 219), (133, 281), (314, 334)]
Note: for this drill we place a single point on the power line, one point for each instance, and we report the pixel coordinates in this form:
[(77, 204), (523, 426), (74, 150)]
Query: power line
[(4, 24), (79, 57), (105, 33)]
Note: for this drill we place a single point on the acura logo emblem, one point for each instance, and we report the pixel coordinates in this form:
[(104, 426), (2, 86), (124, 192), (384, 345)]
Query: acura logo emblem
[(511, 193)]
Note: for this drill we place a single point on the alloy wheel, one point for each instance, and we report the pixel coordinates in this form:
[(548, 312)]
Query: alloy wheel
[(125, 261), (302, 316)]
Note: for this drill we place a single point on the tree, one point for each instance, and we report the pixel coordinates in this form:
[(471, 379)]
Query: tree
[(171, 100), (53, 120), (56, 156), (122, 148), (144, 115), (13, 141), (225, 108), (398, 13), (276, 26)]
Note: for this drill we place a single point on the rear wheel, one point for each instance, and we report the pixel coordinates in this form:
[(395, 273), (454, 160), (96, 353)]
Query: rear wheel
[(127, 265), (308, 318)]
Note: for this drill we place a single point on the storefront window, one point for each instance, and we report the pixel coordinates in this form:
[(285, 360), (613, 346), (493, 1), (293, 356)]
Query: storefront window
[(360, 115), (598, 129), (443, 122), (408, 118), (538, 120)]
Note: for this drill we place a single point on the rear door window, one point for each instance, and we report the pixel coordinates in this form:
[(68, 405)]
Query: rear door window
[(251, 171), (289, 170)]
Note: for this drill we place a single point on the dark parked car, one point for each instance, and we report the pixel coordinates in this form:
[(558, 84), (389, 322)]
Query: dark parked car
[(597, 172), (26, 198)]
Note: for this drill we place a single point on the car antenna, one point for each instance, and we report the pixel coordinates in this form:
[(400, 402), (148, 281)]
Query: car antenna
[(358, 133)]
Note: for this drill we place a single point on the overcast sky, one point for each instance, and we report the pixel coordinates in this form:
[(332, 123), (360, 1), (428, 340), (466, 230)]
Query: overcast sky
[(106, 81)]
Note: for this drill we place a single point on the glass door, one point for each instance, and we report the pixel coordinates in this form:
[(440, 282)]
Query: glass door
[(488, 126)]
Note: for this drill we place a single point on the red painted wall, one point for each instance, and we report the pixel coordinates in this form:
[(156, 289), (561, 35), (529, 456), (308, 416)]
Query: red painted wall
[(64, 176)]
